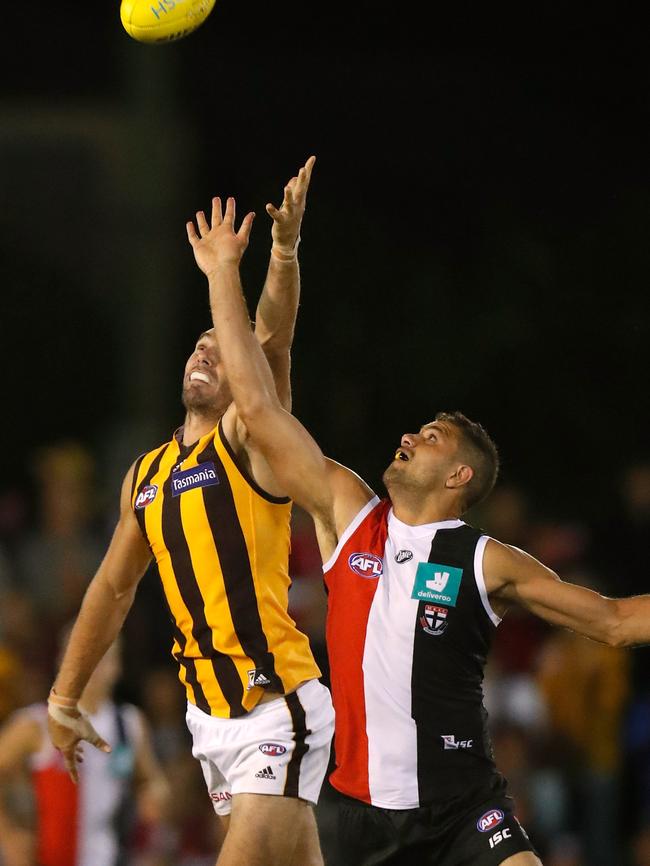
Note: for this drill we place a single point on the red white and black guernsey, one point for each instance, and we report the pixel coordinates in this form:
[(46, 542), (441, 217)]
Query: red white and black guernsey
[(409, 626)]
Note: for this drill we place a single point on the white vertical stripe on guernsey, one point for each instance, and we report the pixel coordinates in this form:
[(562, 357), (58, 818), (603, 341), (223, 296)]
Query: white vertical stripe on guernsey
[(480, 578), (387, 669)]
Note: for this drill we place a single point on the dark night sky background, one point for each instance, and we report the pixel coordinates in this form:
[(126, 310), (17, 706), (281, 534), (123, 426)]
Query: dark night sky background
[(476, 234)]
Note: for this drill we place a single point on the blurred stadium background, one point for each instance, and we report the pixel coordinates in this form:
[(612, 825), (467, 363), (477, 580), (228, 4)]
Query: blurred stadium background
[(476, 238)]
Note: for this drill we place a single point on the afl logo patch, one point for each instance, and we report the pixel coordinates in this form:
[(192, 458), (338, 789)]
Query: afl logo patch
[(146, 496), (273, 749), (366, 564), (490, 820)]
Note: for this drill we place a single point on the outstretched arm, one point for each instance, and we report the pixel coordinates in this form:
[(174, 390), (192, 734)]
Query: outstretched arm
[(514, 576), (295, 459), (107, 601), (277, 308)]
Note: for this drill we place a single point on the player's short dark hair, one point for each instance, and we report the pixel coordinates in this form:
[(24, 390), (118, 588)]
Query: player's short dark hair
[(481, 453)]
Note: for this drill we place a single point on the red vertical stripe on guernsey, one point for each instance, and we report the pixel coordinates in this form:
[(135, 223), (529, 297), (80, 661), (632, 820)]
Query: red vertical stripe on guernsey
[(57, 805), (348, 607)]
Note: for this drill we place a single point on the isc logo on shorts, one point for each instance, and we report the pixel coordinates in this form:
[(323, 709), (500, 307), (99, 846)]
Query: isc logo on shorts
[(146, 496), (490, 820), (366, 564)]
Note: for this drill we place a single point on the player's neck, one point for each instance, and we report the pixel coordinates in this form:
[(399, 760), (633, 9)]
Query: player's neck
[(198, 425), (413, 509)]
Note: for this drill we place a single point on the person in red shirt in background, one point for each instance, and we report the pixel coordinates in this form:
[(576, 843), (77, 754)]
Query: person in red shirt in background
[(83, 824)]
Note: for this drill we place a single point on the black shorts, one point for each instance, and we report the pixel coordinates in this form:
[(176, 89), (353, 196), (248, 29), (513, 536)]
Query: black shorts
[(484, 835)]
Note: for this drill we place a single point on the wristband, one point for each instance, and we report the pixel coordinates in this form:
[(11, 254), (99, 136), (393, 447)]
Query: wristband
[(60, 715), (60, 701), (284, 256)]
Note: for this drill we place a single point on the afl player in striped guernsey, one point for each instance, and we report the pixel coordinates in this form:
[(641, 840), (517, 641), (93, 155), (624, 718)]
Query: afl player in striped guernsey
[(207, 507), (414, 597)]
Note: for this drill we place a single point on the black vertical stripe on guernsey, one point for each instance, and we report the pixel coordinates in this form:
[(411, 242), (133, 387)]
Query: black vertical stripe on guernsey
[(236, 569), (189, 664), (446, 694), (155, 464), (300, 734), (224, 668)]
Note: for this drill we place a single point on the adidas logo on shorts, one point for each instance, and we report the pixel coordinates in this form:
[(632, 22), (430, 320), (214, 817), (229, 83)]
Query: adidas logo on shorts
[(266, 773)]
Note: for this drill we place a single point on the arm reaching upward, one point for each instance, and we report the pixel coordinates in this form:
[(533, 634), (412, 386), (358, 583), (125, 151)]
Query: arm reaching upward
[(294, 457), (277, 308)]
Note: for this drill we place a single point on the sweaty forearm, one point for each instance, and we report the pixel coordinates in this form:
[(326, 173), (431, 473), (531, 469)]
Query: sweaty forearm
[(98, 624)]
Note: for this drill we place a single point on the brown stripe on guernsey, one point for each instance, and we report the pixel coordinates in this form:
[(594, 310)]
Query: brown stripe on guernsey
[(148, 475), (189, 665), (300, 733), (236, 569), (174, 539)]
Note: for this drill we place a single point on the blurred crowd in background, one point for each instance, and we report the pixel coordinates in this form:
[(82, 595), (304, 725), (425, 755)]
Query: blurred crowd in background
[(570, 719)]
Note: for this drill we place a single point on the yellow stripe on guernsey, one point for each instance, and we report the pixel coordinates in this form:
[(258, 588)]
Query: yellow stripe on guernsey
[(222, 546)]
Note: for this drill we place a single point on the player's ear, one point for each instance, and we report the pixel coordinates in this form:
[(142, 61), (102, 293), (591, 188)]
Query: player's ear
[(461, 476)]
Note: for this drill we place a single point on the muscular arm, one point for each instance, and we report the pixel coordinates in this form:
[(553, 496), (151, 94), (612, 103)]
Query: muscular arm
[(107, 601), (275, 317), (327, 491), (513, 576), (103, 611)]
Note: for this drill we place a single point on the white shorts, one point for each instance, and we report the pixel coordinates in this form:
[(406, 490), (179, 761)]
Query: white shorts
[(281, 747)]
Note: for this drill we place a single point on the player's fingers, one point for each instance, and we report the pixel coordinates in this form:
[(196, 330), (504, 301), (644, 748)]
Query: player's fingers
[(71, 765), (216, 211), (98, 742), (202, 223), (245, 228), (273, 212), (229, 216), (309, 167), (191, 233), (288, 195)]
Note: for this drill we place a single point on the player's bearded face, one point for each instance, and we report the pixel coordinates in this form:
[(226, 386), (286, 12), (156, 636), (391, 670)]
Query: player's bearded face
[(205, 388)]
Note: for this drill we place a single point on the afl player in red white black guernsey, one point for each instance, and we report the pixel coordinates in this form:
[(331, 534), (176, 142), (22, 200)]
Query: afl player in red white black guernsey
[(415, 595)]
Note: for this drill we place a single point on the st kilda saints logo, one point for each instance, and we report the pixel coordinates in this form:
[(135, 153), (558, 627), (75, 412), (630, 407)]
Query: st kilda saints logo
[(434, 619)]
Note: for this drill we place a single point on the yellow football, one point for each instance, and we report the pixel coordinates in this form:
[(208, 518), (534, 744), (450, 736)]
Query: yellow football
[(163, 20)]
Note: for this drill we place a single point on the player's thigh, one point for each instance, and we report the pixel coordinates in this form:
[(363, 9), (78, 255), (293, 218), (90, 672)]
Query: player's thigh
[(525, 858), (266, 829)]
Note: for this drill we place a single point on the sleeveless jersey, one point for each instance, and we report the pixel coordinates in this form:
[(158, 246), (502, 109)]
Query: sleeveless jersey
[(409, 626), (78, 825), (221, 545)]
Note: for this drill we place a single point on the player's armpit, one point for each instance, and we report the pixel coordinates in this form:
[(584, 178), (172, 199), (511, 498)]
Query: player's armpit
[(350, 493), (514, 577)]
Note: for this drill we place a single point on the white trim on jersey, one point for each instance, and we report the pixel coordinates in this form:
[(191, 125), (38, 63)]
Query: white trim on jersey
[(347, 532), (480, 578)]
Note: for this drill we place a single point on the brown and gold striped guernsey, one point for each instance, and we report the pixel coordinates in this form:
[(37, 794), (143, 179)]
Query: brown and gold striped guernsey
[(222, 547)]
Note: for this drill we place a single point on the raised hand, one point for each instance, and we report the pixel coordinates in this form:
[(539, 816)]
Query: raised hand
[(288, 217), (218, 243)]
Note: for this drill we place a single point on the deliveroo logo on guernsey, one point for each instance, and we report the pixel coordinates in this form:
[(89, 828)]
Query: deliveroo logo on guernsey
[(435, 582)]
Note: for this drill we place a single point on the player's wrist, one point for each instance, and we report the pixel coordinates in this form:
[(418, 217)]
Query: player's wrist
[(61, 701), (284, 252)]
